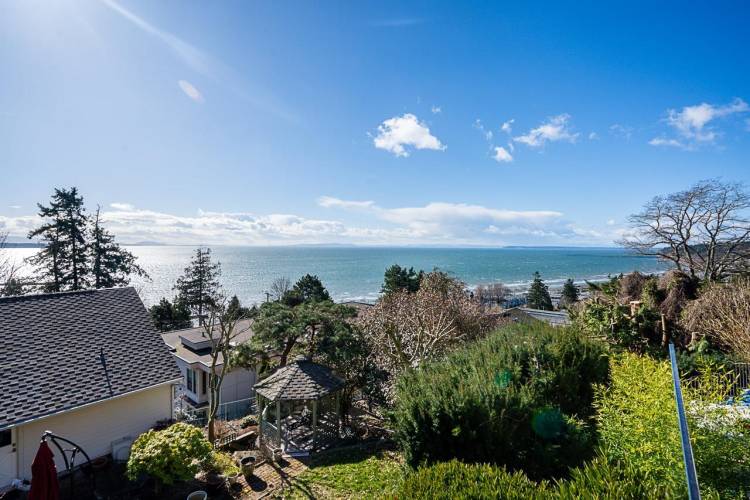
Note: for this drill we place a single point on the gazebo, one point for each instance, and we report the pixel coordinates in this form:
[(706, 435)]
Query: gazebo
[(299, 408)]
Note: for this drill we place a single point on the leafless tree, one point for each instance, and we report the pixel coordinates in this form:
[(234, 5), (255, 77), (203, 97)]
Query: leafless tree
[(492, 293), (221, 327), (722, 313), (9, 282), (405, 329), (704, 231), (280, 287)]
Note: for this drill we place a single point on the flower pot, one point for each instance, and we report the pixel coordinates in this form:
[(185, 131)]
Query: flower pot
[(198, 495), (248, 467), (215, 482), (234, 479)]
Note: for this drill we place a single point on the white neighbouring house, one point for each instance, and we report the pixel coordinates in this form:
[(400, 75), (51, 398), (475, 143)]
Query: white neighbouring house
[(191, 348), (88, 366)]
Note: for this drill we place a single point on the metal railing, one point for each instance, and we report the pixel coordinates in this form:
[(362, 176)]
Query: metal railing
[(231, 410), (687, 449)]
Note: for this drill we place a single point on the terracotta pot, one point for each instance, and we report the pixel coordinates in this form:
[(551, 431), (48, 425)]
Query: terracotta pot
[(198, 495)]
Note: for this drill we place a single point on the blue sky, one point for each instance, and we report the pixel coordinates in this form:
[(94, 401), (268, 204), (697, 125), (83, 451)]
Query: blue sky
[(422, 123)]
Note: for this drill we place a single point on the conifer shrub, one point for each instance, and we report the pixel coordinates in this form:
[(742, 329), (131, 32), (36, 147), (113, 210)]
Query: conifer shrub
[(521, 398)]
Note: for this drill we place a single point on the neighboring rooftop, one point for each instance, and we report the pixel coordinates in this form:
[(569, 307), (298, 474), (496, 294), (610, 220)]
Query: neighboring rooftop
[(50, 359), (192, 345), (554, 318), (300, 380)]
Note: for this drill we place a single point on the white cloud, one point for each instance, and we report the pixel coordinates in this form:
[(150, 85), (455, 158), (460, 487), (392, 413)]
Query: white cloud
[(507, 127), (190, 90), (593, 136), (436, 110), (331, 202), (624, 131), (611, 222), (122, 206), (486, 133), (692, 121), (693, 124), (439, 223), (397, 133), (554, 129), (14, 207), (662, 141), (502, 155)]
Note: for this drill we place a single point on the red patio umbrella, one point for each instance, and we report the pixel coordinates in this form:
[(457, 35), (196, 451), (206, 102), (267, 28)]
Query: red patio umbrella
[(44, 485)]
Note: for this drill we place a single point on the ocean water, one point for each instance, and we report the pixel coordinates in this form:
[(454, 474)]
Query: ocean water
[(356, 273)]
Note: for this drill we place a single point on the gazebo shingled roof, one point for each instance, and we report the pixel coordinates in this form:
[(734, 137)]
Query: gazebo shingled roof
[(298, 381)]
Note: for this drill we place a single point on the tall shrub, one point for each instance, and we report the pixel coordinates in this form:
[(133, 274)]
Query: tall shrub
[(638, 427), (173, 454), (521, 398)]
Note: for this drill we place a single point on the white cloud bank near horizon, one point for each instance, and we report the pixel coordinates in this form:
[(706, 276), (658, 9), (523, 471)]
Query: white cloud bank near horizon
[(436, 223)]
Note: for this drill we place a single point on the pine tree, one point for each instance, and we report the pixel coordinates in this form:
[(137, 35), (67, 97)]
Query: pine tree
[(400, 278), (538, 296), (168, 316), (111, 265), (310, 289), (569, 294), (198, 287), (62, 264)]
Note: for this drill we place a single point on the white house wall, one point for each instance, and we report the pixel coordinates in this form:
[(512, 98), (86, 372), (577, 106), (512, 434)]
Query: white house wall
[(95, 427)]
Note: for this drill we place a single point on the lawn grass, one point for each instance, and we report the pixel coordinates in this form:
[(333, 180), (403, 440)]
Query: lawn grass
[(349, 473)]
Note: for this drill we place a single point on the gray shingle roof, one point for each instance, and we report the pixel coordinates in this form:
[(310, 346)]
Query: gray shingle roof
[(50, 347), (300, 380)]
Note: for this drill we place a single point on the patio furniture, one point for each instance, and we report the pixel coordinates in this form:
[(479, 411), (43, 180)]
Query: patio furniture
[(299, 408)]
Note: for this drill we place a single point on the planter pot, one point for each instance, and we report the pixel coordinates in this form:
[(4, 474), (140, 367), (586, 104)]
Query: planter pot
[(234, 479), (99, 463), (215, 482), (198, 495), (248, 467)]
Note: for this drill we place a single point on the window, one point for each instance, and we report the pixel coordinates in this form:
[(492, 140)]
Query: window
[(5, 438), (204, 382), (190, 376)]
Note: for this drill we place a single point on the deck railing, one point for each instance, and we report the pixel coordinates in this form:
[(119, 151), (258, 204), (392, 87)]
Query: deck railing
[(231, 410)]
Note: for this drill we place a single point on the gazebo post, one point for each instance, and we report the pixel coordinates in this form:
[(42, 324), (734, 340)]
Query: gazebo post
[(314, 423), (262, 407), (278, 420), (338, 414)]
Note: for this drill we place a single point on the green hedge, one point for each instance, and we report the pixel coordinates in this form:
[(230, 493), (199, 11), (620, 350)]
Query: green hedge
[(521, 398), (455, 480), (638, 426)]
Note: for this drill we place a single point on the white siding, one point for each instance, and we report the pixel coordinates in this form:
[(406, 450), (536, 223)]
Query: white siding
[(95, 427), (238, 384)]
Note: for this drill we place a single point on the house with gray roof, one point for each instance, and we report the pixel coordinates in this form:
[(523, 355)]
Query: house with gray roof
[(88, 366), (191, 349), (524, 314)]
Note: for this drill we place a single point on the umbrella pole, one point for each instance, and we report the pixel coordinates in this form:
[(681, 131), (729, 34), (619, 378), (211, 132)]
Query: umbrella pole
[(69, 465)]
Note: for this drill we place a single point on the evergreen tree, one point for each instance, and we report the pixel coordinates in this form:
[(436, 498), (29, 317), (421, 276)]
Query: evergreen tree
[(198, 287), (400, 278), (538, 296), (62, 264), (168, 316), (569, 293), (111, 265), (236, 310), (309, 288)]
